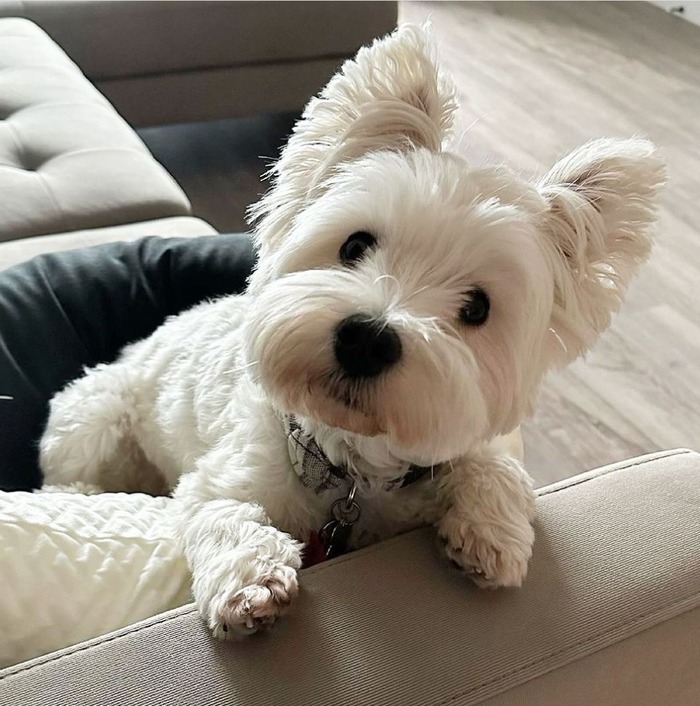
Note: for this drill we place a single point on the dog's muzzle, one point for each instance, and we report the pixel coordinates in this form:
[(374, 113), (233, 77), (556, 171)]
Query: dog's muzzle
[(365, 347)]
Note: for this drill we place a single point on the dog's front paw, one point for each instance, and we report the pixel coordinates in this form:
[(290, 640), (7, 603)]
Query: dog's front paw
[(239, 611), (245, 589), (491, 555)]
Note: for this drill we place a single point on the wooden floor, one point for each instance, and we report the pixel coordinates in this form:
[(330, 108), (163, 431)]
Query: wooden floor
[(535, 80)]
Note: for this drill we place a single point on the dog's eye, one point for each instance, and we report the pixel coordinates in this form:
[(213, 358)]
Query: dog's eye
[(475, 309), (355, 247)]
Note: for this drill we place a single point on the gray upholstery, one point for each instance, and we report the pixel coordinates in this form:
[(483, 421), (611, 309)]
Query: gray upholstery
[(182, 60), (609, 615), (67, 160), (16, 251), (218, 93)]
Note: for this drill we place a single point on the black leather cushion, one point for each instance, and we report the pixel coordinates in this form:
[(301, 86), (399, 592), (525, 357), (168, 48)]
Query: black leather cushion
[(63, 311)]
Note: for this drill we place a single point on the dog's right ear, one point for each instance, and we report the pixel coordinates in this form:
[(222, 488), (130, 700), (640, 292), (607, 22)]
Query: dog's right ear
[(392, 95)]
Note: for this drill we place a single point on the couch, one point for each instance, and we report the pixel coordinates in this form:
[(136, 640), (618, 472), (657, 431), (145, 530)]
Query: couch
[(72, 167), (610, 612), (609, 615), (229, 59)]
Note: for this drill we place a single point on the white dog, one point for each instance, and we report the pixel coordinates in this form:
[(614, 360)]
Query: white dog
[(403, 312)]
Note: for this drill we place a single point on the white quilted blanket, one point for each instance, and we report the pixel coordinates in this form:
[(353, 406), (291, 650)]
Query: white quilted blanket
[(76, 566)]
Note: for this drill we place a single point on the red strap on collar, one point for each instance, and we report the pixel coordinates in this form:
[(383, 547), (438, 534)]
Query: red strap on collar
[(314, 551)]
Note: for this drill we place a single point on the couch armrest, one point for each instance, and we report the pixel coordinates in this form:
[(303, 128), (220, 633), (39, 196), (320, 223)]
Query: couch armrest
[(608, 615)]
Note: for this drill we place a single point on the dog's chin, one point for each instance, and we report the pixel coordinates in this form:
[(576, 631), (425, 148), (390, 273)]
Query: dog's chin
[(331, 406), (337, 413)]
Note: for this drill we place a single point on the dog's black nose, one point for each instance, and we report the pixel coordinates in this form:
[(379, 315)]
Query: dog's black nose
[(365, 347)]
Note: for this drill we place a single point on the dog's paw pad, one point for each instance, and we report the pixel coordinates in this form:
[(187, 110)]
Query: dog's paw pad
[(487, 555), (474, 570), (255, 607)]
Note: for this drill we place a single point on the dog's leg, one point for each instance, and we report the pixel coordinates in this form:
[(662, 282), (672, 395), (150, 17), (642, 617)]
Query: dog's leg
[(88, 436), (85, 427), (244, 570), (487, 530)]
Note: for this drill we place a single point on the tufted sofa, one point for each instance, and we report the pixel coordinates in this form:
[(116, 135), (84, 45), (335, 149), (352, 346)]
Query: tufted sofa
[(73, 171), (70, 166)]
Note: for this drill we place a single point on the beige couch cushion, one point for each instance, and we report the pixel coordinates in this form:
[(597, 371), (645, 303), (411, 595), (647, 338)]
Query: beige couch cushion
[(67, 160), (16, 251), (608, 615)]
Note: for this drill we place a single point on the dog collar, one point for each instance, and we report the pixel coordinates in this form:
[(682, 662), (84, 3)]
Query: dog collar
[(316, 471)]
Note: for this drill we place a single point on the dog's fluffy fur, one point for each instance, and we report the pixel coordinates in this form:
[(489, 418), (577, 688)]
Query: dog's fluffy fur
[(201, 402)]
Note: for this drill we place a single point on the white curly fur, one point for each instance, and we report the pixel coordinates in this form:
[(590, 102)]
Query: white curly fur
[(199, 405)]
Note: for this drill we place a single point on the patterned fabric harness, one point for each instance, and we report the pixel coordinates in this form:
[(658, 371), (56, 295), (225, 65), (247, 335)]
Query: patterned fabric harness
[(316, 472)]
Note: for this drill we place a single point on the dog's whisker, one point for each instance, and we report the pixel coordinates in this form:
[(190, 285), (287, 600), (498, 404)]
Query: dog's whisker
[(469, 128), (412, 295), (391, 278), (242, 368)]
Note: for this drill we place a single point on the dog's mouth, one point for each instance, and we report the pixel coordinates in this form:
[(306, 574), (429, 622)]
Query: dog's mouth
[(344, 403), (353, 393), (348, 392)]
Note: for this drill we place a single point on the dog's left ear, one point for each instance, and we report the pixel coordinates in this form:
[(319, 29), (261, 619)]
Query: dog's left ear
[(392, 95), (601, 210)]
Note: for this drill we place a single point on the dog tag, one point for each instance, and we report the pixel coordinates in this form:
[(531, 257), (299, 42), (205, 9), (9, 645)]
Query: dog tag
[(334, 536)]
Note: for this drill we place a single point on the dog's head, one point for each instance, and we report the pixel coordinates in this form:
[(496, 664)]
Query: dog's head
[(401, 292)]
